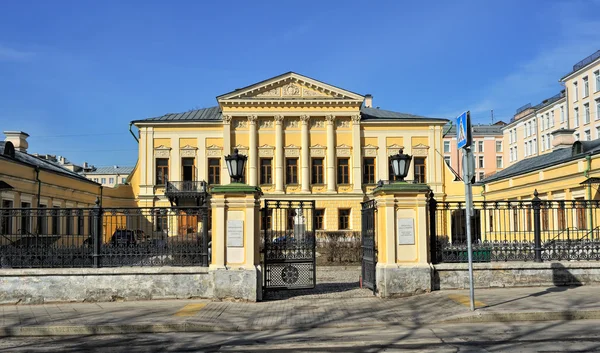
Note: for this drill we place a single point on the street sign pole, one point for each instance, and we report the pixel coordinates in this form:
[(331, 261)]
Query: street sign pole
[(468, 175), (463, 141)]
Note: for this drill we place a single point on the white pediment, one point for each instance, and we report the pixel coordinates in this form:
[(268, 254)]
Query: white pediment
[(241, 149), (420, 146), (188, 147), (290, 86), (162, 147), (395, 146)]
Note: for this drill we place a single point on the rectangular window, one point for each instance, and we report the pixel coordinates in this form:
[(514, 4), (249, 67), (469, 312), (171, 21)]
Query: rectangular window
[(534, 146), (586, 112), (498, 146), (162, 223), (188, 169), (319, 219), (291, 171), (560, 215), (543, 143), (581, 215), (547, 120), (25, 218), (588, 135), (266, 221), (552, 119), (343, 172), (511, 154), (266, 171), (498, 161), (96, 179), (344, 219), (162, 170), (448, 160), (480, 147), (214, 171), (542, 125), (123, 180), (42, 220), (548, 141), (586, 87), (562, 114), (598, 109), (111, 181), (419, 170), (6, 218), (56, 220), (576, 117), (446, 146), (598, 132), (369, 170), (481, 175), (597, 76), (480, 162), (102, 181), (317, 171), (575, 92)]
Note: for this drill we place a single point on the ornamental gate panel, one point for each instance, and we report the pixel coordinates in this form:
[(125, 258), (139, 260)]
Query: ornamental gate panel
[(289, 244), (368, 244)]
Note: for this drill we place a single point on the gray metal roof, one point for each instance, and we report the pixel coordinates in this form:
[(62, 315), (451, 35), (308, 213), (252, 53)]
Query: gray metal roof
[(478, 130), (577, 151), (33, 161), (204, 114), (380, 114), (110, 170)]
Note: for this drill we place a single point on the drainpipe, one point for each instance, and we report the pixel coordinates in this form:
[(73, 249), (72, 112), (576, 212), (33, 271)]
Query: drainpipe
[(132, 134)]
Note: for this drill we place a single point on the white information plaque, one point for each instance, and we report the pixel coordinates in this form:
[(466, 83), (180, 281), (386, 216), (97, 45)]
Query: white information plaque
[(235, 234), (406, 231)]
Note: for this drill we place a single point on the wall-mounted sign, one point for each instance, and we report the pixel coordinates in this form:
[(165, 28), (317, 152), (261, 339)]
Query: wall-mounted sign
[(235, 234), (406, 231)]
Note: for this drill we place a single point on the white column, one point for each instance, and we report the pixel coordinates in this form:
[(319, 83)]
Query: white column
[(330, 153), (252, 151), (225, 179), (356, 155), (278, 153), (175, 167), (305, 156)]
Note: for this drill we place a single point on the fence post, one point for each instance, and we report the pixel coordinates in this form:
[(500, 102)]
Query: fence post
[(536, 203), (205, 250), (432, 231), (97, 234)]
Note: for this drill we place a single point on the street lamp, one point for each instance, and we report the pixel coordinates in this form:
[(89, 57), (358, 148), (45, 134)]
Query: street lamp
[(235, 165), (400, 164)]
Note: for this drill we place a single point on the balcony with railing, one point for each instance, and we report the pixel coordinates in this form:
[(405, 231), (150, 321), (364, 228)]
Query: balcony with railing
[(178, 191)]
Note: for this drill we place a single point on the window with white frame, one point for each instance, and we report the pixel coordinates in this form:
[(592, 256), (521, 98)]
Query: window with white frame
[(510, 154), (576, 118), (542, 125), (547, 120), (598, 132), (446, 146), (534, 146), (447, 159), (498, 146), (597, 76), (548, 141), (575, 92), (588, 135), (498, 161), (481, 175), (598, 109), (552, 119), (480, 162), (562, 114), (586, 113), (516, 154), (543, 143), (480, 147), (534, 126), (586, 87)]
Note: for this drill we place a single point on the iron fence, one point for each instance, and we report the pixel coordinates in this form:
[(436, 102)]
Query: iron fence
[(532, 230), (103, 237)]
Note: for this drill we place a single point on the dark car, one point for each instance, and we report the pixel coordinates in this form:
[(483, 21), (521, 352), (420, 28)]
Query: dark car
[(124, 237)]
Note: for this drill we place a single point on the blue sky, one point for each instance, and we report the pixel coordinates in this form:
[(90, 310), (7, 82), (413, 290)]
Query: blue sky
[(73, 74)]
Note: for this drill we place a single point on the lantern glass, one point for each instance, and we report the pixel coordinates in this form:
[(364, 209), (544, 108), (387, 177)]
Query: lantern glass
[(400, 165), (235, 165)]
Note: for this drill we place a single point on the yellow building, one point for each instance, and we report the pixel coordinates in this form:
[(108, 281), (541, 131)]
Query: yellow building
[(304, 139)]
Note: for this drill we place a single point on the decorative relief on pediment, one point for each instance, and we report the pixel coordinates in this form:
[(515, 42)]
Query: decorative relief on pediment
[(265, 123), (343, 150), (310, 93), (241, 149), (162, 152), (292, 123), (290, 90), (274, 92), (265, 151), (214, 151), (240, 124), (317, 123), (188, 151), (370, 150), (291, 151), (343, 123), (317, 151), (420, 150), (394, 149)]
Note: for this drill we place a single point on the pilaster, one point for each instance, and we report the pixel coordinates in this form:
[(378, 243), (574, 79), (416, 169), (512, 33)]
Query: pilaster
[(330, 153), (356, 154), (225, 179), (279, 154), (252, 151), (305, 155)]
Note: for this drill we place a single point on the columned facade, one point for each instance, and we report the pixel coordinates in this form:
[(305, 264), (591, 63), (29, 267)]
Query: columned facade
[(304, 150), (279, 177), (331, 182)]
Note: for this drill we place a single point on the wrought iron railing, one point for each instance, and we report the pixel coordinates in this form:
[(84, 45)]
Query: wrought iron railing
[(533, 230), (195, 186), (103, 237)]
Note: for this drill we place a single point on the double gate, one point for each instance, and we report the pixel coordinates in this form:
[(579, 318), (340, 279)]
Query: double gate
[(368, 245), (288, 229)]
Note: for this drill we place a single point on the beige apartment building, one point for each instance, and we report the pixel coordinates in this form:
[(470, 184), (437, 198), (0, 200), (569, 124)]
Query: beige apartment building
[(488, 147), (109, 176), (583, 95)]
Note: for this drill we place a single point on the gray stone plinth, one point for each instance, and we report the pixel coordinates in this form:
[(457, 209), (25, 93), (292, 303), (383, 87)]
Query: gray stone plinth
[(516, 274), (403, 280), (237, 283)]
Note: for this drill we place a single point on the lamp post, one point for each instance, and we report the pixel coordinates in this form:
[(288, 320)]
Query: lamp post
[(400, 164), (235, 165)]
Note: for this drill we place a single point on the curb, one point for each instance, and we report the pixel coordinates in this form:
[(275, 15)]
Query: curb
[(483, 316)]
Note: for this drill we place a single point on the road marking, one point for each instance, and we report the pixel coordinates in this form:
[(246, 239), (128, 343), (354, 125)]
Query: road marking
[(190, 309), (465, 300)]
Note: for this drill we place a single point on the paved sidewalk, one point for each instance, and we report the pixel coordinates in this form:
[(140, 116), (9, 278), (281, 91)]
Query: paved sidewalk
[(508, 304)]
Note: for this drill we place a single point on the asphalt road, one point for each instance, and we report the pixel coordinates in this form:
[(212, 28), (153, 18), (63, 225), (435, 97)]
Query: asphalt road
[(546, 337)]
